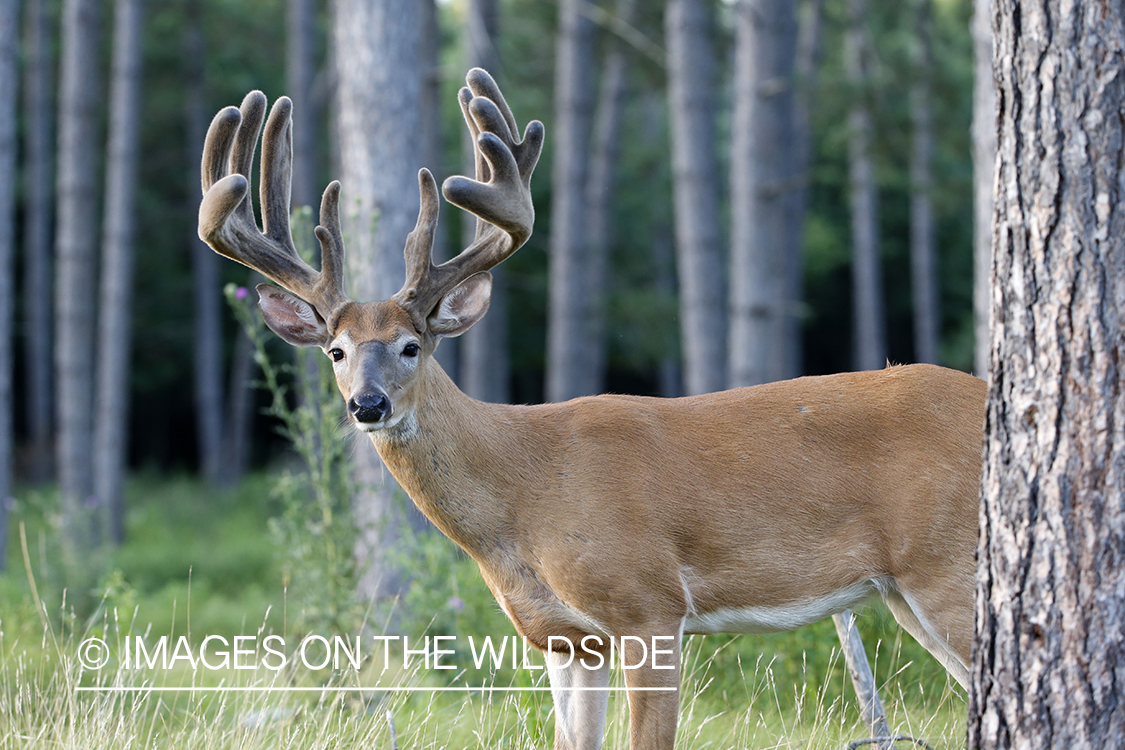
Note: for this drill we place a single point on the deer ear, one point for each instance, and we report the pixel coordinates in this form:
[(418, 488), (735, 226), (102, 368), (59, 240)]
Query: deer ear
[(290, 317), (462, 306)]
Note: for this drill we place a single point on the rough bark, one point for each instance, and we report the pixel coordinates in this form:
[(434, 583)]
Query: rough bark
[(115, 335), (699, 249), (484, 361), (76, 241), (869, 344), (923, 239), (763, 178), (984, 176), (38, 205), (8, 77), (568, 363), (1049, 657), (379, 74)]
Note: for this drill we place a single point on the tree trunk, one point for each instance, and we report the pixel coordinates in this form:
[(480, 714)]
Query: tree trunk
[(569, 367), (9, 15), (923, 250), (601, 187), (484, 363), (115, 333), (869, 345), (763, 175), (300, 70), (699, 251), (38, 171), (76, 248), (378, 119), (984, 177), (207, 297), (1050, 616)]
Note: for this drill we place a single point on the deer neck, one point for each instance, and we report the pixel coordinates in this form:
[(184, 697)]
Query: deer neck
[(443, 454)]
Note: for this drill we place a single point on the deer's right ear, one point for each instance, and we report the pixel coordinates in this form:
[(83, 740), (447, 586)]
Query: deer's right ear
[(290, 317)]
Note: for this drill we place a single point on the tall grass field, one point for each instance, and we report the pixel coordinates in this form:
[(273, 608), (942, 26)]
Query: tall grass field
[(201, 564)]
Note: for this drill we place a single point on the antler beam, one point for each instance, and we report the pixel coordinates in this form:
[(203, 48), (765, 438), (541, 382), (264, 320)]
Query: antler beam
[(500, 197), (226, 215)]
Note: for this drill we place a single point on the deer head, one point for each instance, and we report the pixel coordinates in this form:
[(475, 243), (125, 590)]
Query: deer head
[(377, 348)]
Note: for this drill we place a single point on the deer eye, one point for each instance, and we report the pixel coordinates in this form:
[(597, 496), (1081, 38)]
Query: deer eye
[(410, 350), (336, 354)]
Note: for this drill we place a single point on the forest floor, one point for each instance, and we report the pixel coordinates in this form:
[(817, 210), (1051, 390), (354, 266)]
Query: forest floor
[(191, 637)]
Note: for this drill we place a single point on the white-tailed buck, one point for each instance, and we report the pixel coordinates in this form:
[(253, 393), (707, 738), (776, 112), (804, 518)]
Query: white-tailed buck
[(745, 511)]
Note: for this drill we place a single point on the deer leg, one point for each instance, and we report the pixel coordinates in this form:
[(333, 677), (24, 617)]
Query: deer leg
[(654, 691), (580, 707)]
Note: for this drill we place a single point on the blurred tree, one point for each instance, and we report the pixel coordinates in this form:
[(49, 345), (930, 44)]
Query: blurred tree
[(379, 82), (923, 253), (76, 241), (1050, 614), (869, 342), (9, 76), (569, 366), (699, 251), (601, 192), (115, 326), (984, 159), (764, 172), (206, 290), (38, 204), (484, 364), (300, 72)]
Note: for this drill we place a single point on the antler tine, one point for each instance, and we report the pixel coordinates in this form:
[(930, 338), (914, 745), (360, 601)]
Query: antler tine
[(226, 215), (500, 197)]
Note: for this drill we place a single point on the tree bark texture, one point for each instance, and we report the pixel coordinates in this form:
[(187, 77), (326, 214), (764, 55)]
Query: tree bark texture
[(379, 80), (699, 249), (38, 206), (9, 15), (1049, 658), (923, 237), (76, 242), (763, 176), (115, 334), (484, 361), (984, 177), (300, 71), (869, 344), (569, 369)]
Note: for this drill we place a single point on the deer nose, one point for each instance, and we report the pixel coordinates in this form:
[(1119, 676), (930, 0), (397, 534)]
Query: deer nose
[(370, 406)]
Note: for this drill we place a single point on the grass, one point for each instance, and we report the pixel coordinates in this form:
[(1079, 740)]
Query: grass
[(200, 562)]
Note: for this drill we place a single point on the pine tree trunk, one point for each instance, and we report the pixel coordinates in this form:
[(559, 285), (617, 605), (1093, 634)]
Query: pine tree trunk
[(984, 177), (38, 171), (763, 177), (379, 74), (76, 241), (699, 250), (1050, 614), (569, 369), (600, 192), (869, 344), (923, 250), (207, 297), (484, 362), (9, 23), (115, 335)]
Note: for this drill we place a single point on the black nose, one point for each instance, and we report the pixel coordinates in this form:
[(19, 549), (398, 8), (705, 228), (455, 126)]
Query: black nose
[(371, 406)]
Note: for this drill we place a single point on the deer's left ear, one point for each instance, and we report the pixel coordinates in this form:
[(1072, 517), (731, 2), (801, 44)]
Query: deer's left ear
[(462, 306)]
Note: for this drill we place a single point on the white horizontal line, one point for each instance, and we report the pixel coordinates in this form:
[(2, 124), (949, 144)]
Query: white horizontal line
[(465, 689)]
